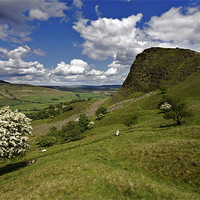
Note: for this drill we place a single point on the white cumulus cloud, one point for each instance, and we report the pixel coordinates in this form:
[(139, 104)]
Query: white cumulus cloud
[(122, 39), (76, 66), (78, 3), (16, 66), (15, 17)]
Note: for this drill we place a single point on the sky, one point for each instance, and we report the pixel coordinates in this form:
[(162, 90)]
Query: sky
[(89, 42)]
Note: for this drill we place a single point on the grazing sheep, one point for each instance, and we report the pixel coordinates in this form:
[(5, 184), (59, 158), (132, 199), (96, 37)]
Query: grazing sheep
[(117, 133), (30, 162), (44, 150)]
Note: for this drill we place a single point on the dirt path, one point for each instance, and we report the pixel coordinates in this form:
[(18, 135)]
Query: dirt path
[(120, 104), (44, 128)]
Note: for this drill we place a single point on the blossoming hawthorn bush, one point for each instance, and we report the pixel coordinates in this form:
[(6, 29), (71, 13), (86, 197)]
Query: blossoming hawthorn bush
[(173, 108), (14, 130)]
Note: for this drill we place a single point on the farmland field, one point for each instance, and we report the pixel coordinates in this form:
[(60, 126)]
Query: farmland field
[(27, 98)]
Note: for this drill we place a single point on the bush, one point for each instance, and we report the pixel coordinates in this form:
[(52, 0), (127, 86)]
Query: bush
[(14, 130), (101, 112), (131, 120), (46, 141), (83, 122), (71, 132), (173, 108), (53, 132), (67, 108), (163, 89)]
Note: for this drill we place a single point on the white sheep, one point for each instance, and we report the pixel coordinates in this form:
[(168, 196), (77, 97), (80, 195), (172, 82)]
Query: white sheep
[(117, 133)]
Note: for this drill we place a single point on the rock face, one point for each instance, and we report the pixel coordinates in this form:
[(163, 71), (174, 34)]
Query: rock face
[(156, 67)]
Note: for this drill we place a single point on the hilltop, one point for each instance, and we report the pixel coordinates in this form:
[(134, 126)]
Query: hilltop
[(156, 67), (4, 82)]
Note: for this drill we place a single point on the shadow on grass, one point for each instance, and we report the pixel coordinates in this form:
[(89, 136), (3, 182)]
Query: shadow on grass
[(168, 125), (12, 167)]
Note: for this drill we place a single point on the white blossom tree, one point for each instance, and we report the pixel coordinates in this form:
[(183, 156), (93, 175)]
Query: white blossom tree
[(14, 130)]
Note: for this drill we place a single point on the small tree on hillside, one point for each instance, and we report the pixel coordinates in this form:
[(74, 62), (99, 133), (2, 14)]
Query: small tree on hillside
[(71, 132), (101, 112), (172, 108), (14, 129), (131, 120), (83, 122)]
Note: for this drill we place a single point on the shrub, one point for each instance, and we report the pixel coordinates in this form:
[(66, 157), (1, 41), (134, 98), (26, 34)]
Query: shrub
[(101, 112), (163, 89), (53, 132), (83, 122), (14, 130), (71, 132), (67, 108), (46, 141), (131, 120), (173, 108)]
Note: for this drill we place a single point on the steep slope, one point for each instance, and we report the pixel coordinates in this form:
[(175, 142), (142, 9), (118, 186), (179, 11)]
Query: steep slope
[(156, 67)]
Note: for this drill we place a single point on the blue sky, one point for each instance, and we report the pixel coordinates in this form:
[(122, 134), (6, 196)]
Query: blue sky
[(89, 42)]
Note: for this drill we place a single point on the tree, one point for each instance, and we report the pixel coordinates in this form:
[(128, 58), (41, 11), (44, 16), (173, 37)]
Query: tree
[(131, 120), (101, 112), (14, 130), (83, 122), (173, 108), (71, 131)]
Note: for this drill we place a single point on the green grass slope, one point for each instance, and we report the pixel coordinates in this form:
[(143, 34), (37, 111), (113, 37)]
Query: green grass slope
[(27, 98), (154, 159)]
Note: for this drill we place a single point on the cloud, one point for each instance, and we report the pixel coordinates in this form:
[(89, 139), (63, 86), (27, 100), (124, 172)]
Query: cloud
[(15, 17), (20, 52), (16, 53), (16, 66), (80, 72), (78, 3), (75, 67), (122, 39), (98, 13), (43, 10), (108, 37), (176, 27), (119, 39), (39, 52), (15, 69)]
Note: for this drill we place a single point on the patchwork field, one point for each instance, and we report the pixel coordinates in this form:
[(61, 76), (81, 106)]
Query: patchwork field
[(29, 98)]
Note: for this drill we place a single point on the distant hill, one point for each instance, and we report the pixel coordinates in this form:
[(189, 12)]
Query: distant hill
[(85, 88), (1, 81), (156, 67)]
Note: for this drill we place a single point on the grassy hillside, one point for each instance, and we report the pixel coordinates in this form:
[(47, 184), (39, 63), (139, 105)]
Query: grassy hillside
[(154, 159), (28, 98)]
